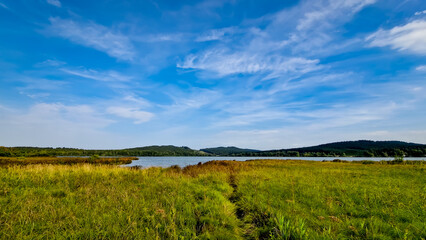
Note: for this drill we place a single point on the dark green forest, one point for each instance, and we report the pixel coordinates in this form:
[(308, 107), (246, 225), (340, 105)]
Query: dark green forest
[(361, 148), (140, 151), (228, 151)]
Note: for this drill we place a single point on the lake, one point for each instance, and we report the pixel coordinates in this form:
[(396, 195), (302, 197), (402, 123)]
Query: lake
[(185, 161)]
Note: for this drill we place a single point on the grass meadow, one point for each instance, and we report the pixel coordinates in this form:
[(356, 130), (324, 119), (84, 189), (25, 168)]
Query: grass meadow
[(262, 199)]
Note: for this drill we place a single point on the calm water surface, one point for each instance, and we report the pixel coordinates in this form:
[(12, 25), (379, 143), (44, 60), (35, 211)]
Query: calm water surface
[(185, 161)]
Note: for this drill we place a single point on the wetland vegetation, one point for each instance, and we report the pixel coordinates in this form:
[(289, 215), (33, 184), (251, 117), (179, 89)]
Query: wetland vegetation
[(261, 199)]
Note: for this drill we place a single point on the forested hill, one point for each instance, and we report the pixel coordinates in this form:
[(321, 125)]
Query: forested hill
[(139, 151), (226, 151), (361, 148), (361, 145), (168, 150)]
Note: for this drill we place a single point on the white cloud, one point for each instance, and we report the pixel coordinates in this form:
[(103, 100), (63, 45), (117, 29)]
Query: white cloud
[(163, 37), (93, 35), (305, 83), (131, 113), (421, 68), (214, 34), (105, 76), (193, 99), (326, 11), (224, 63), (285, 45), (410, 37), (41, 84), (323, 125), (130, 98), (50, 63), (420, 13), (39, 87), (312, 26), (349, 114), (55, 3)]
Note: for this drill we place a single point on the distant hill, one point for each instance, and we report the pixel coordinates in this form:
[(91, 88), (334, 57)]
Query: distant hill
[(360, 145), (138, 151), (227, 151), (361, 148), (165, 150)]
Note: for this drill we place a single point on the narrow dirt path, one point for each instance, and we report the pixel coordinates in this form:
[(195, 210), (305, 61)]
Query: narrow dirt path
[(251, 223), (235, 197), (240, 213)]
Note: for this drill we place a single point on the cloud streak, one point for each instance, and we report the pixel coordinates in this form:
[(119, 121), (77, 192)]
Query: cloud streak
[(421, 68), (131, 113), (420, 13), (55, 3), (410, 37), (90, 34), (104, 76), (214, 34), (224, 63), (282, 47)]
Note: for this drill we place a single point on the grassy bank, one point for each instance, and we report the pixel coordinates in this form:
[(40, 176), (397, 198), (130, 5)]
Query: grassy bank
[(65, 160), (217, 200)]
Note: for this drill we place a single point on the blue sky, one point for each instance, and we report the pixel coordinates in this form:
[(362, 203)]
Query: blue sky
[(256, 74)]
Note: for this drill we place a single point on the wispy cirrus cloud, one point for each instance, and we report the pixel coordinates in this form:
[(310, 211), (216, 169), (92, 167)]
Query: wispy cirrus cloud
[(319, 124), (41, 84), (93, 35), (215, 34), (320, 80), (50, 63), (214, 72), (105, 76), (286, 45), (226, 63), (421, 68), (312, 27), (420, 13), (161, 37), (193, 99), (55, 3), (410, 37), (204, 8), (328, 11)]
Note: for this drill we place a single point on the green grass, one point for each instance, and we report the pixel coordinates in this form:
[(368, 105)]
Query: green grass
[(302, 200), (218, 200)]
